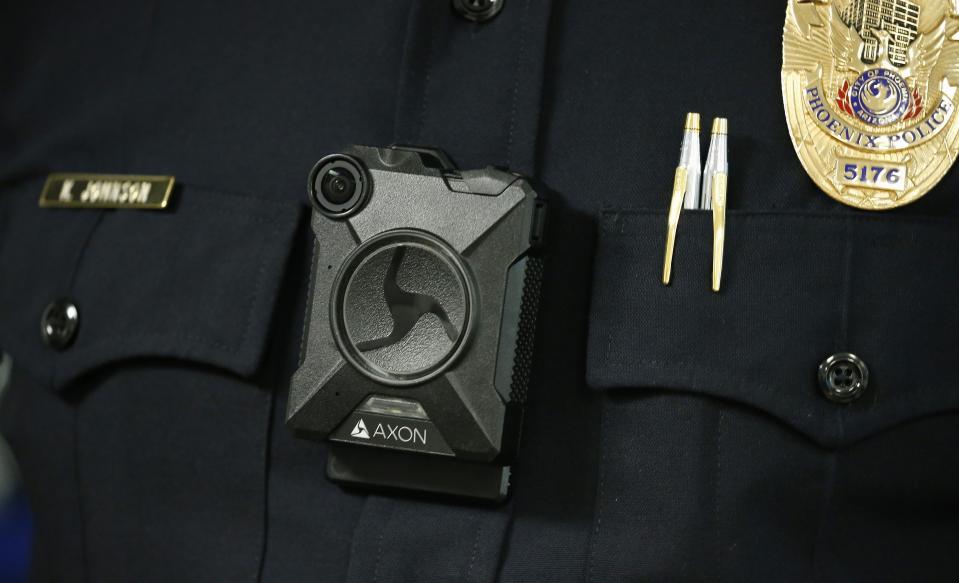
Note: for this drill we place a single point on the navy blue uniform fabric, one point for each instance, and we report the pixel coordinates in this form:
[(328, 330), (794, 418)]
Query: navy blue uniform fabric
[(672, 434)]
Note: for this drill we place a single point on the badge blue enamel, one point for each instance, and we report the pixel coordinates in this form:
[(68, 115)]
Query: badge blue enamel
[(879, 97)]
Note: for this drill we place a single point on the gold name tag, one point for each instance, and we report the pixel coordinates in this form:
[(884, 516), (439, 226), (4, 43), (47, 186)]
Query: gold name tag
[(114, 191)]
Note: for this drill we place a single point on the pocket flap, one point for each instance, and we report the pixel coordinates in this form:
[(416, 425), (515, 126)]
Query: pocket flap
[(796, 289), (197, 281)]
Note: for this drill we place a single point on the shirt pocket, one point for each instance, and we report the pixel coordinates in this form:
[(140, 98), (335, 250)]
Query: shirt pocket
[(148, 433), (714, 416)]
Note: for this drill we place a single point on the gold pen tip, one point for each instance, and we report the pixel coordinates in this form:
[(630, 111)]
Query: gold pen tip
[(720, 126), (692, 122)]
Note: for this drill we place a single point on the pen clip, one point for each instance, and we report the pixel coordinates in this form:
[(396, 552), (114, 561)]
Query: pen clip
[(687, 179), (719, 184), (675, 208)]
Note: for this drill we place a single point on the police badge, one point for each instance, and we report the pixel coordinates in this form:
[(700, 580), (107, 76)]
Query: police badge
[(869, 88)]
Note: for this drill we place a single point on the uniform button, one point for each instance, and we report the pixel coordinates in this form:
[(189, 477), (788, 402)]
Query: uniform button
[(59, 324), (478, 10), (843, 377)]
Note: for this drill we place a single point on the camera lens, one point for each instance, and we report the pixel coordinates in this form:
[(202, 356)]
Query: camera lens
[(337, 185)]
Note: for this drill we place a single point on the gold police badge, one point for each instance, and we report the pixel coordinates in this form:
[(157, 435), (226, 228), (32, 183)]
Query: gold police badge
[(869, 88)]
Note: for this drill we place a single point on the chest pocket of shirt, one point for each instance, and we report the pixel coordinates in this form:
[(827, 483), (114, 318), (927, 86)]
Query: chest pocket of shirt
[(148, 432), (714, 415)]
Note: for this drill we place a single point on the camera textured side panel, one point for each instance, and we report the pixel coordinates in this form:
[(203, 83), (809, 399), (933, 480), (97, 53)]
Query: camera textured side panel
[(311, 286), (523, 360)]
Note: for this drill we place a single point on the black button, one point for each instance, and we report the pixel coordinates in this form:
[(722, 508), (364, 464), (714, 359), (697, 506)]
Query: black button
[(59, 324), (843, 377), (478, 10)]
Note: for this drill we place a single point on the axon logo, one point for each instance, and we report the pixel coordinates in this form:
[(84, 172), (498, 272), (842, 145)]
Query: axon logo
[(390, 432), (359, 430)]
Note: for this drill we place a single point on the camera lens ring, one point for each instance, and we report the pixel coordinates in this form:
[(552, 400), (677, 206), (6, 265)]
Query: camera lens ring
[(339, 185), (340, 327)]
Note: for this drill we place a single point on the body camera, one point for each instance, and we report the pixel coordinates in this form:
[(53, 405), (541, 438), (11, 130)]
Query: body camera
[(419, 332)]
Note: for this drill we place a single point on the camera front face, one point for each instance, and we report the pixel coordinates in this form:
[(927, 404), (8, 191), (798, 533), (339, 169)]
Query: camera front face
[(423, 298)]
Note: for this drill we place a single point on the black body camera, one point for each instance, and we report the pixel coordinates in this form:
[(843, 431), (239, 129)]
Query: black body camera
[(418, 341)]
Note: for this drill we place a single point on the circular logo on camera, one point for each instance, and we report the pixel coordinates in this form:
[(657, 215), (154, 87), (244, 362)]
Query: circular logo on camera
[(879, 97), (401, 307)]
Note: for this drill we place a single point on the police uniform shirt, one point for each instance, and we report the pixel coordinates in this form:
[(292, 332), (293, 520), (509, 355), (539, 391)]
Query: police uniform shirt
[(672, 434)]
